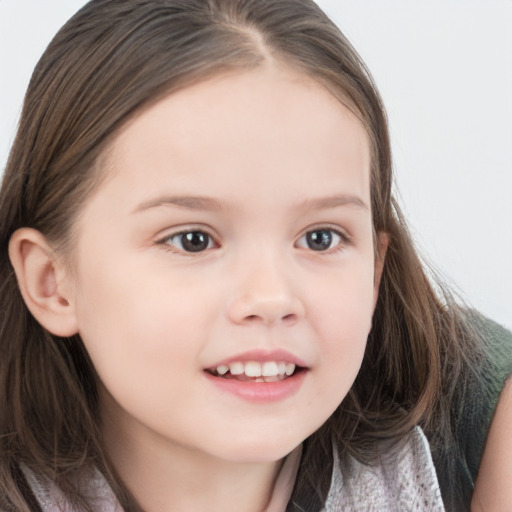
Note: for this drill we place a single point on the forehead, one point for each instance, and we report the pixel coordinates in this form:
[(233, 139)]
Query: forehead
[(269, 123)]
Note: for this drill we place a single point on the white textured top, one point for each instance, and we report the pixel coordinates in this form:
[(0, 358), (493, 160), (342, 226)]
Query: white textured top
[(51, 499), (408, 485)]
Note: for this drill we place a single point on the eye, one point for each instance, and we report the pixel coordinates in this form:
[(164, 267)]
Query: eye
[(321, 239), (190, 241)]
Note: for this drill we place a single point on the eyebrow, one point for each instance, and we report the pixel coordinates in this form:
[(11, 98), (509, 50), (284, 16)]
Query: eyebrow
[(208, 203), (187, 202), (324, 203)]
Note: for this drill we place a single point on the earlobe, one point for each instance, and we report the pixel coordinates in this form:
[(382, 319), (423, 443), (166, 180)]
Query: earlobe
[(41, 279)]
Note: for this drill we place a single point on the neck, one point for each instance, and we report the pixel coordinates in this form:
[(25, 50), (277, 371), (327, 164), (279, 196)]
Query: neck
[(164, 476)]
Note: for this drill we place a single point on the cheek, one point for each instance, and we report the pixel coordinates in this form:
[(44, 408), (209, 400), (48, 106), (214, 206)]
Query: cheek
[(142, 345), (343, 303), (137, 326), (343, 315)]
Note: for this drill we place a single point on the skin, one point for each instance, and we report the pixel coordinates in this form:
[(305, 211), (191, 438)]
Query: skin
[(278, 157)]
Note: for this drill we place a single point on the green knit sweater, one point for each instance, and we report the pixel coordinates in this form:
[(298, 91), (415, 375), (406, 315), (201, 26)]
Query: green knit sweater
[(473, 403)]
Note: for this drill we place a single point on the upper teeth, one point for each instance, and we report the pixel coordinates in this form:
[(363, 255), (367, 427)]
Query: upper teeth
[(256, 369)]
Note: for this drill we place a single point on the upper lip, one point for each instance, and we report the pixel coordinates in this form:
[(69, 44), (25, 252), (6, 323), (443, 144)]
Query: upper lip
[(262, 356)]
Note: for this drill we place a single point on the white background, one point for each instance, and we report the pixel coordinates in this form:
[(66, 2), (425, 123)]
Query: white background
[(444, 69)]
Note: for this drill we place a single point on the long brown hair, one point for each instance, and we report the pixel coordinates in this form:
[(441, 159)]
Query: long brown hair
[(107, 63)]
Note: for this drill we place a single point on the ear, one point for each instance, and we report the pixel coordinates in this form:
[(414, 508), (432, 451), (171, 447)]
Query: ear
[(42, 282), (380, 257)]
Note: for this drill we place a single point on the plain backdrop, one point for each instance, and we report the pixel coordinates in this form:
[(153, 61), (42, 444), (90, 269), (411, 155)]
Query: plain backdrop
[(444, 69)]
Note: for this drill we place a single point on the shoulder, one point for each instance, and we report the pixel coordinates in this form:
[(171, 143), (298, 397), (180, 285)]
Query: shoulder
[(405, 480), (479, 402), (492, 489), (472, 400)]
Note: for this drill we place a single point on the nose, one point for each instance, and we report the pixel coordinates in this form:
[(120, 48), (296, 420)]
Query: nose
[(265, 295)]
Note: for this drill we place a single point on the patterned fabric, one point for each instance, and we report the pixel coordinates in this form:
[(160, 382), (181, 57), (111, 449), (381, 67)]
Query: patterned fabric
[(409, 484), (51, 499)]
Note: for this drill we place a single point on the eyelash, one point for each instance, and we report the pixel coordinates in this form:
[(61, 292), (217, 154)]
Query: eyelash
[(343, 242)]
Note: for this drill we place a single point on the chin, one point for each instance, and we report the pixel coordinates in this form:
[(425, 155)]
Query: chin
[(259, 451)]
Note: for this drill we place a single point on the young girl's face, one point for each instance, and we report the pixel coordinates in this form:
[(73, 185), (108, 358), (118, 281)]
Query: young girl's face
[(233, 231)]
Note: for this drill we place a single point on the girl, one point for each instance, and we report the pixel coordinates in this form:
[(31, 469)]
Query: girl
[(209, 297)]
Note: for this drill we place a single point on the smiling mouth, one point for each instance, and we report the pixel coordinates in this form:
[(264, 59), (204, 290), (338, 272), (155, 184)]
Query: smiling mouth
[(254, 371)]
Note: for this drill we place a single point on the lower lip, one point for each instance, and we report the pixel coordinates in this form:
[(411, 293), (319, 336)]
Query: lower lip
[(260, 391)]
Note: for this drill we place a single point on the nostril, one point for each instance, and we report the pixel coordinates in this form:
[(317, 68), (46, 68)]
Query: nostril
[(253, 309), (288, 318)]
